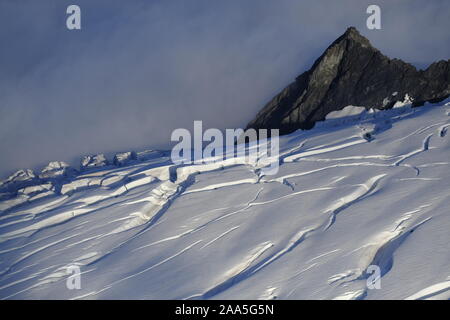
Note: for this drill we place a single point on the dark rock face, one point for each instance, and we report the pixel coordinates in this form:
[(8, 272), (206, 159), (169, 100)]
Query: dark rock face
[(351, 72)]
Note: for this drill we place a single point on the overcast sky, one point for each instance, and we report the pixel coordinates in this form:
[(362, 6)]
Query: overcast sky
[(140, 68)]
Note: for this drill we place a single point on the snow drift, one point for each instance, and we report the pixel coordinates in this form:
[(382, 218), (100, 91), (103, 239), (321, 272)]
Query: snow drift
[(371, 188)]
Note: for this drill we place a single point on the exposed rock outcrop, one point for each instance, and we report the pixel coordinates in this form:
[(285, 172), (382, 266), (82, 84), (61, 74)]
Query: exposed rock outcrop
[(123, 158), (19, 179), (149, 155), (57, 170), (93, 161)]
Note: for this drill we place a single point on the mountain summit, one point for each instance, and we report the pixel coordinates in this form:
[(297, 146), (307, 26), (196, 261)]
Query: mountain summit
[(351, 72)]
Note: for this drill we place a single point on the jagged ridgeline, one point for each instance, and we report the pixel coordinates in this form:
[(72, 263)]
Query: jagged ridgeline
[(351, 72)]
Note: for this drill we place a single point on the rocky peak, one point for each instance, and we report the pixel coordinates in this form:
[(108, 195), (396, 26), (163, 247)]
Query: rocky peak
[(353, 34), (351, 72)]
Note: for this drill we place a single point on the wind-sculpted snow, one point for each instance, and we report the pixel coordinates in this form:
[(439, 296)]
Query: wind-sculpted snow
[(355, 192)]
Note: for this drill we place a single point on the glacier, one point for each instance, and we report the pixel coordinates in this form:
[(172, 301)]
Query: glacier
[(360, 189)]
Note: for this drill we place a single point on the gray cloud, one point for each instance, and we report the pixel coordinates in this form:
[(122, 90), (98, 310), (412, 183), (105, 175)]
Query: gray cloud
[(136, 71)]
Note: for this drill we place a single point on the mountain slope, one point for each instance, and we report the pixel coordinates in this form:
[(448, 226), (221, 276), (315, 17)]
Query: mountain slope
[(351, 72), (366, 189)]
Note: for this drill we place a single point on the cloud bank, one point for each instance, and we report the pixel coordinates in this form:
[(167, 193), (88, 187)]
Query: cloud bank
[(138, 70)]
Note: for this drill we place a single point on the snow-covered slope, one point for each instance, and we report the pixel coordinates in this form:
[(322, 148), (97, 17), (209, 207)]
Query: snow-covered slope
[(369, 189)]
